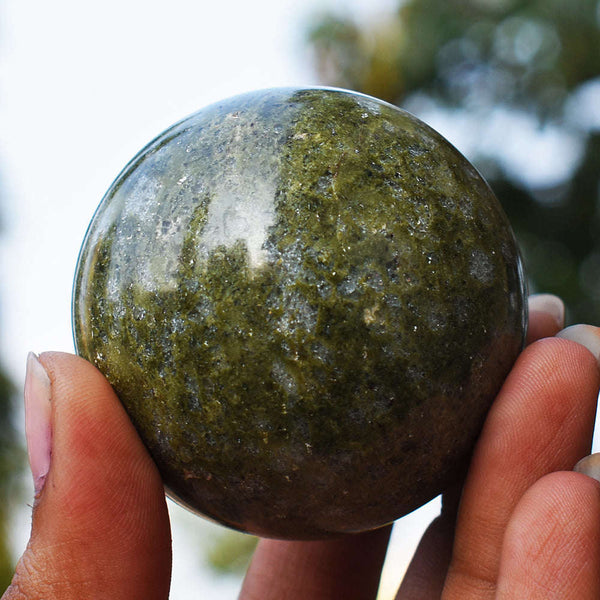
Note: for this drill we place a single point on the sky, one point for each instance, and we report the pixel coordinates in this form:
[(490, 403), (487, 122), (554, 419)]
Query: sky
[(83, 87)]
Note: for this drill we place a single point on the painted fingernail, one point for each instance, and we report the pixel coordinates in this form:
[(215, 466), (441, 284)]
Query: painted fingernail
[(38, 430), (590, 466), (551, 305), (586, 335)]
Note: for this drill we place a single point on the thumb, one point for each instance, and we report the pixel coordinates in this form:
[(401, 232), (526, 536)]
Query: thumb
[(100, 527)]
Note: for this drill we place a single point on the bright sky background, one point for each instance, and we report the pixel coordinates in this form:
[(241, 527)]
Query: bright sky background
[(83, 87)]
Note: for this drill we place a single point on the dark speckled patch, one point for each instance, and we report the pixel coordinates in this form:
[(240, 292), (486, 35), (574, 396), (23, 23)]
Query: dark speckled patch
[(306, 299)]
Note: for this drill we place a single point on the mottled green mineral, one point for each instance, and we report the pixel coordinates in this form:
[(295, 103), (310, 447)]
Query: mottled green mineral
[(306, 300)]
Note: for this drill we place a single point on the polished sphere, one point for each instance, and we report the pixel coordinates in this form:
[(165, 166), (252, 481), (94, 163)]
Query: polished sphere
[(306, 300)]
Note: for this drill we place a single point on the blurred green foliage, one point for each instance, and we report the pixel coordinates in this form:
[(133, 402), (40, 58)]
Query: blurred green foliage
[(12, 460), (230, 552), (532, 65)]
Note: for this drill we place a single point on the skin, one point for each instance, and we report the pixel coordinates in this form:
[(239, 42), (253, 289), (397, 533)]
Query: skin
[(521, 526)]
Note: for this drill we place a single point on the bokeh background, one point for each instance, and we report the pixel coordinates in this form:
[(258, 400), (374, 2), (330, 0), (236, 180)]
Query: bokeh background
[(514, 84)]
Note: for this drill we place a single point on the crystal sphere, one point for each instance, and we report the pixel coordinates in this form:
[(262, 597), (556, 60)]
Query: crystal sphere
[(306, 299)]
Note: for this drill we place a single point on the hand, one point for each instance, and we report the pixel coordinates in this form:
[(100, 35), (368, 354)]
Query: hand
[(100, 528), (522, 526)]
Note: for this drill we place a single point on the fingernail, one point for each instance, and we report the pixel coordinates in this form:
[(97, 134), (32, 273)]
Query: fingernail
[(38, 431), (586, 335), (551, 305), (590, 466)]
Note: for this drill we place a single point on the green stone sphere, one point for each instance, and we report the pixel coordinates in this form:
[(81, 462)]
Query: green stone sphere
[(306, 300)]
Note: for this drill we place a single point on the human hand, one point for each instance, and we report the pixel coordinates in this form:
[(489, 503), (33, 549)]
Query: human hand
[(100, 527), (522, 526)]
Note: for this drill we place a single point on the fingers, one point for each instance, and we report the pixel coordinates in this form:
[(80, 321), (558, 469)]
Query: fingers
[(100, 527), (551, 548), (546, 316), (347, 568), (587, 335), (424, 580), (426, 573), (541, 422), (537, 406)]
